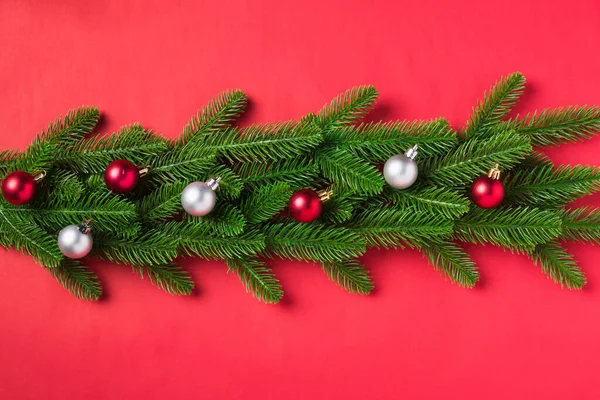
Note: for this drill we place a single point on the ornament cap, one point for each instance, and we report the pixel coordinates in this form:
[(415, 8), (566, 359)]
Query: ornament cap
[(143, 170), (494, 173), (38, 175), (325, 194), (412, 152), (213, 183), (85, 227)]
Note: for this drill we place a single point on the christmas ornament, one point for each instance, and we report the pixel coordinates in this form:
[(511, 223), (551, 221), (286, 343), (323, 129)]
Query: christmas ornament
[(401, 170), (19, 187), (122, 176), (75, 241), (305, 205), (487, 191), (199, 198)]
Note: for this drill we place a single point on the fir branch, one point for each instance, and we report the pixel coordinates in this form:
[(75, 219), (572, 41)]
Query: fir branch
[(378, 141), (546, 186), (495, 105), (394, 228), (92, 155), (346, 170), (168, 277), (263, 142), (312, 242), (337, 210), (181, 164), (350, 275), (265, 201), (7, 160), (196, 239), (62, 186), (449, 258), (224, 220), (257, 278), (151, 247), (77, 279), (217, 115), (74, 126), (163, 203), (436, 200), (297, 172), (475, 157), (25, 235), (581, 225), (552, 127), (230, 185), (517, 228), (559, 265), (348, 107), (107, 212)]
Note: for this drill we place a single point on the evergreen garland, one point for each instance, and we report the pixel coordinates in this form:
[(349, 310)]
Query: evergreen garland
[(262, 165)]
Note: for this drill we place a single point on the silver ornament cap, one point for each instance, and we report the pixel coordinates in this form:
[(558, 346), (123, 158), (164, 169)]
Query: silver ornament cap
[(199, 198), (401, 170), (75, 241)]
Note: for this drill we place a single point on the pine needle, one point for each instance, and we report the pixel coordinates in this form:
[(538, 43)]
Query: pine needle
[(350, 275), (559, 265), (257, 278)]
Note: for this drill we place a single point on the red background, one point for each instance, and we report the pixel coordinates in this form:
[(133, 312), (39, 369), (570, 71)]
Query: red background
[(517, 335)]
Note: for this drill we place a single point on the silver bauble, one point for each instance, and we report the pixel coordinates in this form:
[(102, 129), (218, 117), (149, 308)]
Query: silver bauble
[(199, 198), (75, 241), (401, 170)]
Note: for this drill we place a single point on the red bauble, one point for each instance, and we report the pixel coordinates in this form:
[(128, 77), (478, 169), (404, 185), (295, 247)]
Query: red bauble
[(305, 205), (121, 176), (487, 192), (18, 188)]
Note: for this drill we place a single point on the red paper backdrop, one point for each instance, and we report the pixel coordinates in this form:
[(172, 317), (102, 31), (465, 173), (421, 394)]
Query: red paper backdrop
[(517, 335)]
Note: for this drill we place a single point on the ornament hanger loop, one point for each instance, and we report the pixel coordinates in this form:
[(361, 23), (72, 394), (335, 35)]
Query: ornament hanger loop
[(325, 194), (412, 152), (86, 227), (38, 175), (494, 172)]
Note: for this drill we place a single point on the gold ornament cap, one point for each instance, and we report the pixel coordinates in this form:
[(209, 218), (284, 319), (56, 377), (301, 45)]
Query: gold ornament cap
[(494, 173), (325, 194)]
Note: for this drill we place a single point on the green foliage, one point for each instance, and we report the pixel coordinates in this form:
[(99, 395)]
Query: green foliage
[(378, 141), (266, 201), (559, 125), (22, 233), (546, 186), (257, 278), (350, 275), (516, 228), (197, 239), (107, 212), (449, 258), (169, 277), (313, 242), (559, 265), (180, 163), (495, 105), (263, 142), (475, 157), (448, 203), (581, 225), (395, 228), (262, 165), (297, 172), (74, 126), (347, 170), (215, 116), (348, 107), (163, 203), (92, 155), (77, 279)]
